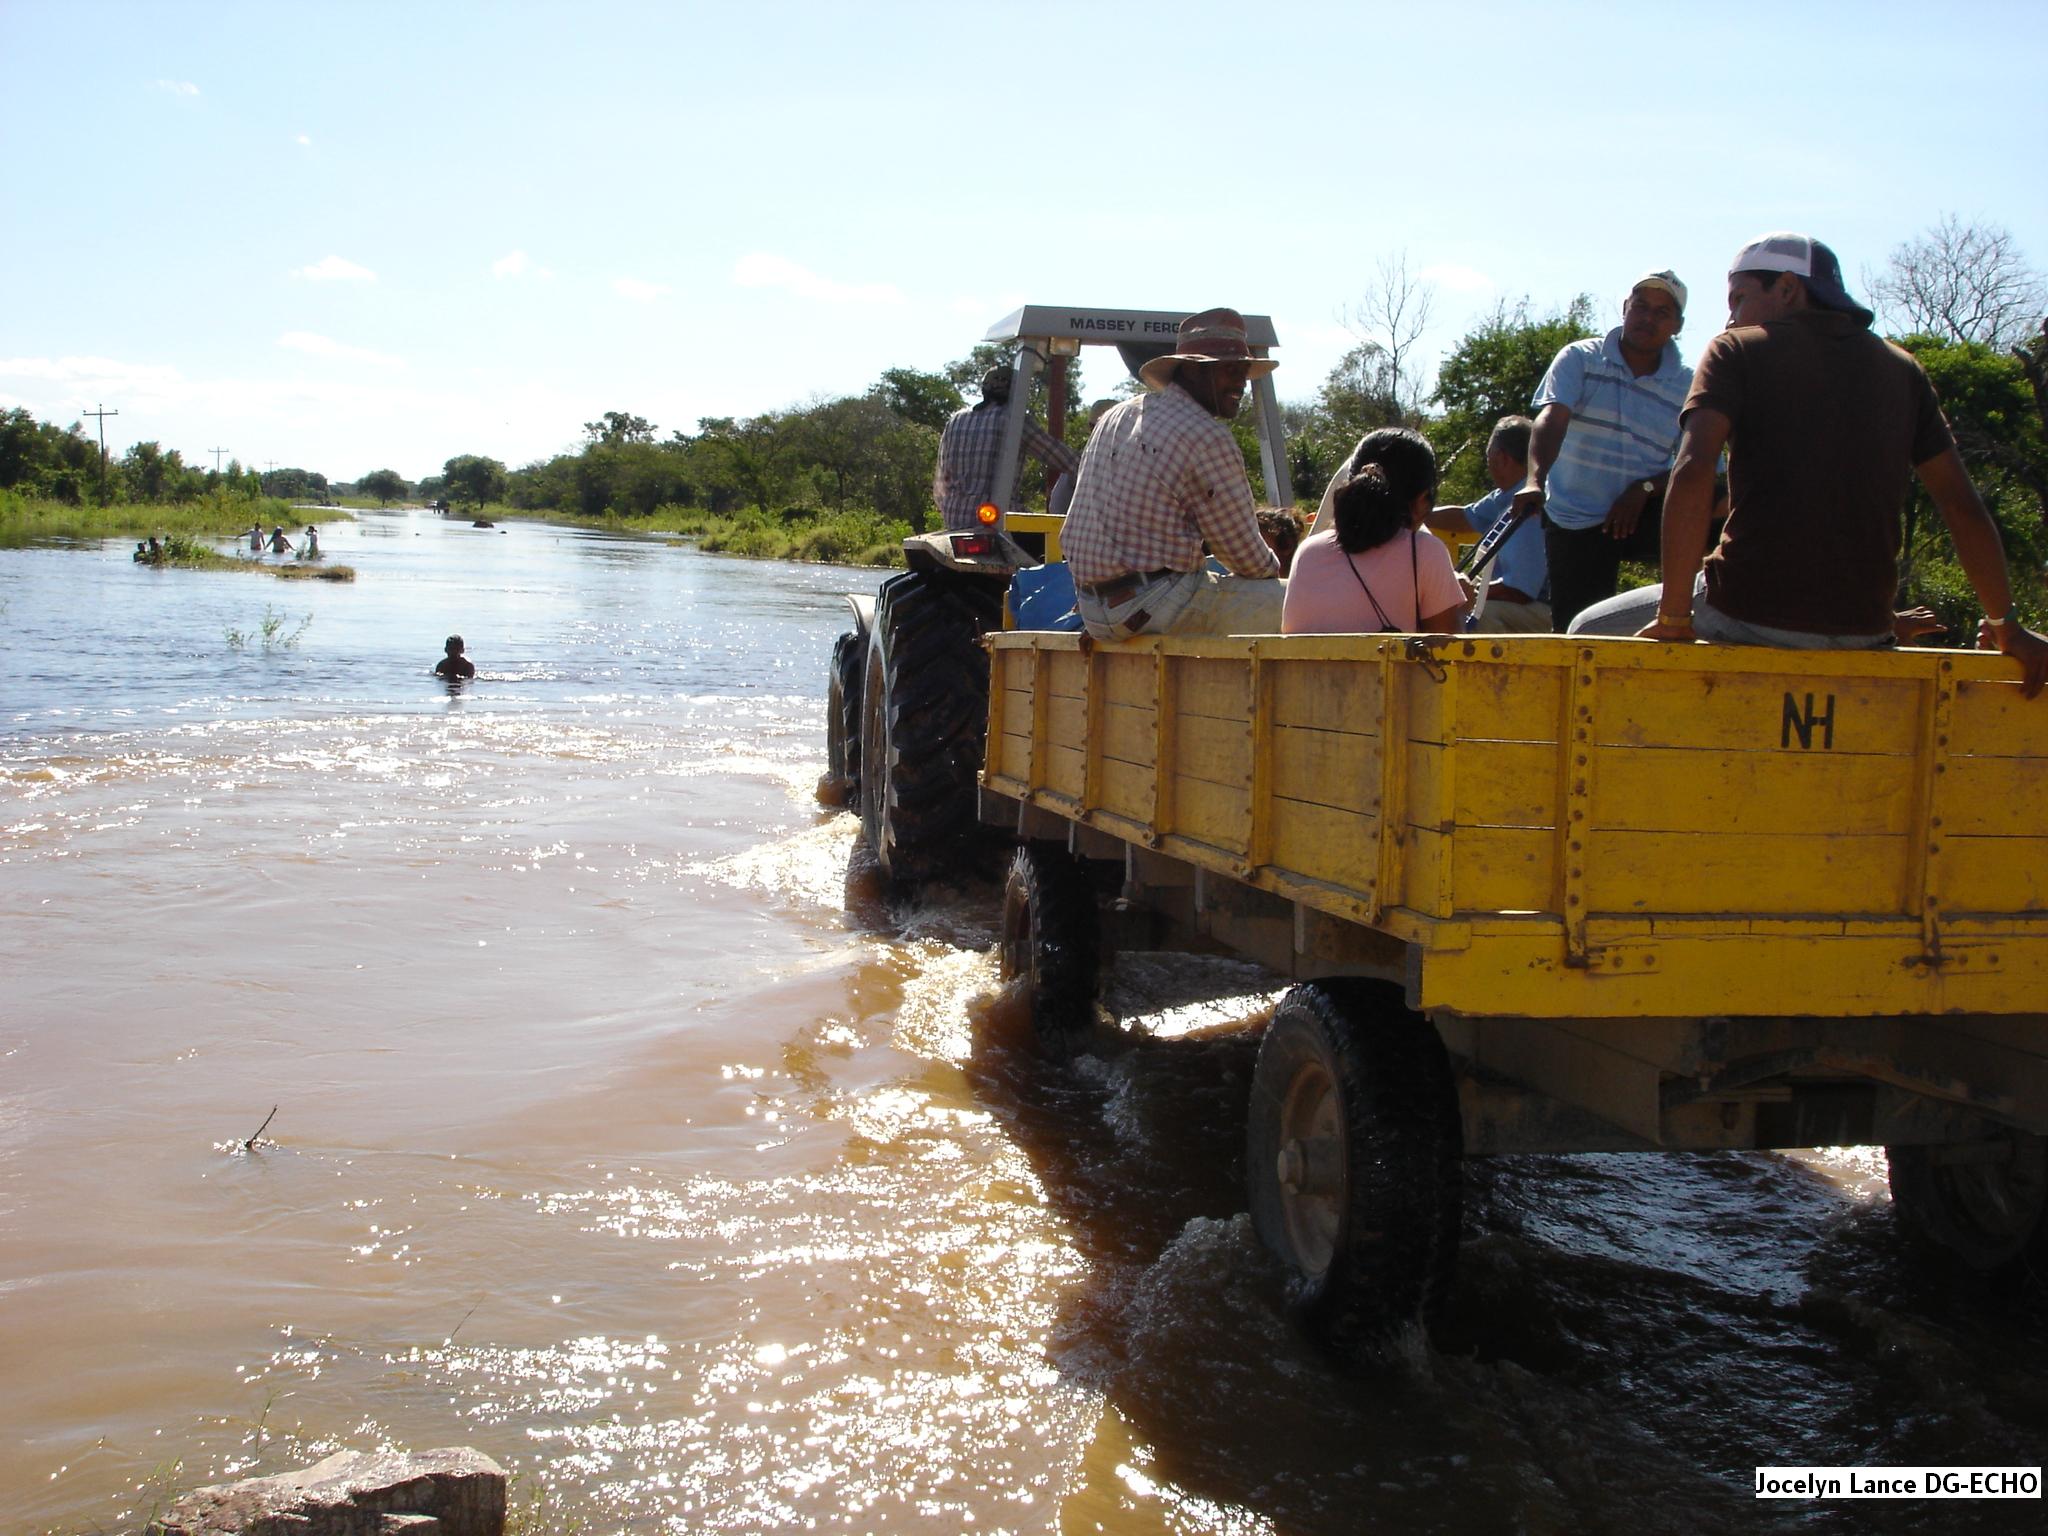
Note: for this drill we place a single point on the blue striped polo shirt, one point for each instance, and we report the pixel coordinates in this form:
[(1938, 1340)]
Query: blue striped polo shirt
[(1623, 428)]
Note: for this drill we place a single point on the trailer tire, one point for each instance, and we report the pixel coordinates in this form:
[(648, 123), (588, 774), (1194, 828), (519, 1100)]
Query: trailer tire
[(1991, 1216), (923, 718), (841, 783), (1052, 937), (1352, 1155)]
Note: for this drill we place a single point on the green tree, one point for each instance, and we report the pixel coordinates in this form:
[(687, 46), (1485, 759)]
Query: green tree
[(473, 478), (1991, 409), (387, 485), (745, 460), (864, 452), (294, 484), (925, 398), (44, 459), (1493, 372), (616, 427), (144, 472)]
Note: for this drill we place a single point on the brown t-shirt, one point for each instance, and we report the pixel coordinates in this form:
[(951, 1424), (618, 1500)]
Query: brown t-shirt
[(1829, 424)]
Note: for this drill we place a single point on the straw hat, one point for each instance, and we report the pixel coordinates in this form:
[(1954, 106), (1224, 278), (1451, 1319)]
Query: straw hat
[(1213, 336)]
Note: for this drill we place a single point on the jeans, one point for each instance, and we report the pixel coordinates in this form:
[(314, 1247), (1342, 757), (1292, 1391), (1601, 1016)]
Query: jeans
[(1628, 612), (1187, 603)]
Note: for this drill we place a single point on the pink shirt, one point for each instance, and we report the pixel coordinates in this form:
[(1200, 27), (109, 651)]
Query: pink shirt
[(1324, 597)]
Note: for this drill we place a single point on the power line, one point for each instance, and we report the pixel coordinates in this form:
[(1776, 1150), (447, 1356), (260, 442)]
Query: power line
[(216, 452), (102, 414)]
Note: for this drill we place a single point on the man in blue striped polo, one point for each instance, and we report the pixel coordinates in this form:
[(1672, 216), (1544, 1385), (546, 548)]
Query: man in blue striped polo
[(1600, 455)]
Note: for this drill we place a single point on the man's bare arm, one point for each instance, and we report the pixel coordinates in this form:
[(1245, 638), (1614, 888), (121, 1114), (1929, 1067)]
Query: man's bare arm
[(1688, 512), (1982, 555), (1547, 437)]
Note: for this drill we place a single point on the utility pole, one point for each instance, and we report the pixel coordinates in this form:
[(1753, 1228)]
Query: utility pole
[(102, 413), (216, 452)]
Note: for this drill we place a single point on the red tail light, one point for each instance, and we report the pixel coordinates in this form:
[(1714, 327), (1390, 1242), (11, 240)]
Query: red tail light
[(972, 544)]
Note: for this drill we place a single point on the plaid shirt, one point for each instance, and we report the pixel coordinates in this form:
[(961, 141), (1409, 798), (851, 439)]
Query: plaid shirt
[(967, 460), (1159, 476)]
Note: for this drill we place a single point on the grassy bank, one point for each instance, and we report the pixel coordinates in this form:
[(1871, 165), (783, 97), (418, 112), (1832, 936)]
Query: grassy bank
[(830, 538), (24, 521)]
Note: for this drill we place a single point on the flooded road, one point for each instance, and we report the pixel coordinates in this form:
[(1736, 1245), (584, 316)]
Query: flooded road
[(608, 1143)]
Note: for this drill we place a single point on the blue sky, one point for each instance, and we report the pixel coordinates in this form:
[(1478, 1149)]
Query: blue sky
[(351, 236)]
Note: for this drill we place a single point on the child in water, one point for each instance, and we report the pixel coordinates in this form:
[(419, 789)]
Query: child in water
[(455, 664)]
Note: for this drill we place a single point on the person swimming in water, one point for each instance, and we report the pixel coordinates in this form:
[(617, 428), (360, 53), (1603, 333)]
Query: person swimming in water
[(310, 550), (279, 544), (455, 664)]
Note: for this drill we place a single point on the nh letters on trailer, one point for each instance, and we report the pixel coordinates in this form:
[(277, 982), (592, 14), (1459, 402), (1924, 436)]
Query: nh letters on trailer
[(1801, 723)]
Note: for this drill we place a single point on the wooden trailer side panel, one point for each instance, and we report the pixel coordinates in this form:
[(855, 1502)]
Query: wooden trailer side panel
[(1570, 829)]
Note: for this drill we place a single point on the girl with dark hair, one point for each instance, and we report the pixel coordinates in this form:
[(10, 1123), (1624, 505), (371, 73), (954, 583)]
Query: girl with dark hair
[(1371, 568)]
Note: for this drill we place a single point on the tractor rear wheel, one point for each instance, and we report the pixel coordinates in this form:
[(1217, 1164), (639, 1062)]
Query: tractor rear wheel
[(924, 715)]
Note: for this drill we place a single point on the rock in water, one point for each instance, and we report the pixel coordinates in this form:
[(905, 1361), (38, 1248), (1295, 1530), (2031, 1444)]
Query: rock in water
[(453, 1492)]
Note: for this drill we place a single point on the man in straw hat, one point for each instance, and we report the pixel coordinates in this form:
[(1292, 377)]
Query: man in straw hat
[(970, 444), (1160, 475), (1606, 425), (1825, 422)]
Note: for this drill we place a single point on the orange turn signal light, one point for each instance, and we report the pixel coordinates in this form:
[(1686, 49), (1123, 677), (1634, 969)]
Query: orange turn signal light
[(988, 512)]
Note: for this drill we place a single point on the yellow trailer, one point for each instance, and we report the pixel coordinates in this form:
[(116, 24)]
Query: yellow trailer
[(1555, 894)]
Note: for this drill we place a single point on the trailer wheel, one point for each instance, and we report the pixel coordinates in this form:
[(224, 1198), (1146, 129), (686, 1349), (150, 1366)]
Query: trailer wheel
[(1985, 1210), (842, 721), (1352, 1159), (1052, 936), (924, 715)]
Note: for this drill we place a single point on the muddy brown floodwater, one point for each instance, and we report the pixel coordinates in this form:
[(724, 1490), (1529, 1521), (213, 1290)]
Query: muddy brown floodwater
[(609, 1143)]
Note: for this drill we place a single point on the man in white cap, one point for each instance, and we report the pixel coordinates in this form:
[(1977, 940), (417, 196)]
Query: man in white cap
[(1160, 475), (1827, 423), (968, 448), (1599, 457)]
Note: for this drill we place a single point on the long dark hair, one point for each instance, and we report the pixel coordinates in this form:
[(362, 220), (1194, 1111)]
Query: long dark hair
[(1388, 470)]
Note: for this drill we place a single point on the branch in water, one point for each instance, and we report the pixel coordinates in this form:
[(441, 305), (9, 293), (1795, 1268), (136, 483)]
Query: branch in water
[(250, 1144)]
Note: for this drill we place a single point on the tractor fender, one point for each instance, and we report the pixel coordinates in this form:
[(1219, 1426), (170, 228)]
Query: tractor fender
[(863, 606)]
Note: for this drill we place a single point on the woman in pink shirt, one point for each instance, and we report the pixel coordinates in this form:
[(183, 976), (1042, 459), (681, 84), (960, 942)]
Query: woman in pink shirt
[(1375, 570)]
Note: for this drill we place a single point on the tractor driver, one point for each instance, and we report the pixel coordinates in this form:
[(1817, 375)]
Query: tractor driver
[(968, 447), (1161, 474)]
